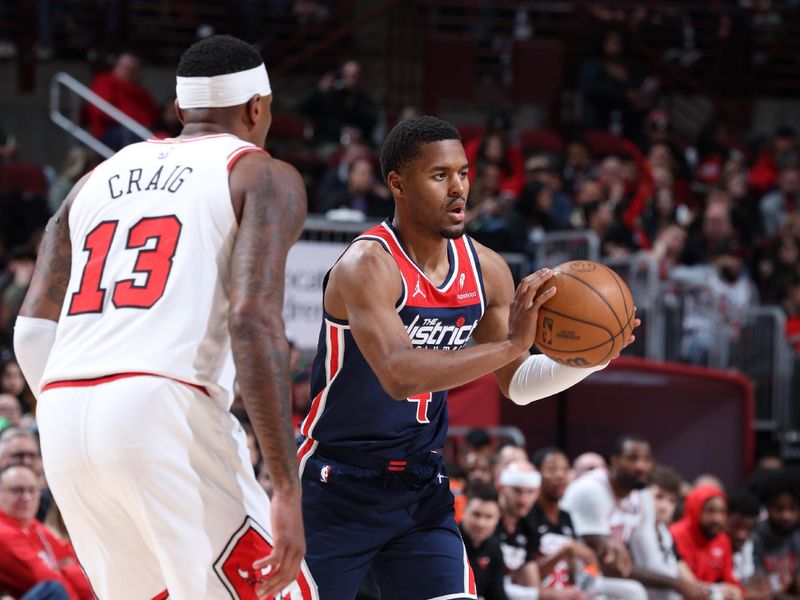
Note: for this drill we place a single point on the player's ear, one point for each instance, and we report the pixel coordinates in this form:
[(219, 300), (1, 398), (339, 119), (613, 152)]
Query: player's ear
[(253, 110), (395, 182), (179, 112)]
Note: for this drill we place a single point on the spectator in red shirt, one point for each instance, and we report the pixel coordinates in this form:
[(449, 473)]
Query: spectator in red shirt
[(701, 541), (496, 148), (30, 554), (122, 88)]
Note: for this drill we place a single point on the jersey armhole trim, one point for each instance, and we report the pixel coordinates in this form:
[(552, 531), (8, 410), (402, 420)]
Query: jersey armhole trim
[(476, 271), (237, 154), (401, 302)]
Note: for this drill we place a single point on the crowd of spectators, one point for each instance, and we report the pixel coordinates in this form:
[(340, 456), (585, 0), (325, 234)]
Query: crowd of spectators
[(542, 527), (720, 215)]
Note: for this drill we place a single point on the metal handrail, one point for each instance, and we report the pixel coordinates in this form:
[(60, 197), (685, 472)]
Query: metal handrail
[(589, 236), (73, 128), (782, 374)]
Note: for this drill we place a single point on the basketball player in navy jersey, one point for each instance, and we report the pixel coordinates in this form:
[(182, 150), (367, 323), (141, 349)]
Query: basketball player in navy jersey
[(400, 306)]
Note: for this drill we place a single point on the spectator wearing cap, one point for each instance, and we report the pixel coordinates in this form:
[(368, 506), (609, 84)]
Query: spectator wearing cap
[(480, 519), (495, 147), (782, 201), (743, 512), (776, 544), (702, 543), (30, 555)]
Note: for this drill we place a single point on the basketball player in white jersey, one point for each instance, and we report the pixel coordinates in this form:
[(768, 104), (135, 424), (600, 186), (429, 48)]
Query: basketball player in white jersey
[(159, 262)]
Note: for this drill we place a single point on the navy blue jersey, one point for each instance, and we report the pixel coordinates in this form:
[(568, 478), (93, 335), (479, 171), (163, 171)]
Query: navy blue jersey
[(350, 408)]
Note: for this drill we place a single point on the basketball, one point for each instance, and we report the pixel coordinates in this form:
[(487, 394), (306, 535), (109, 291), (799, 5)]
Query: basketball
[(589, 318)]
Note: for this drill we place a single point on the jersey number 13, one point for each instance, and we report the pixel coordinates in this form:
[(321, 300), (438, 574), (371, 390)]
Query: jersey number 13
[(155, 263)]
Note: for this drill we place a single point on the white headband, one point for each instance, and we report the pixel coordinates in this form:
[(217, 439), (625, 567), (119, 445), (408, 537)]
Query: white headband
[(221, 91), (522, 479)]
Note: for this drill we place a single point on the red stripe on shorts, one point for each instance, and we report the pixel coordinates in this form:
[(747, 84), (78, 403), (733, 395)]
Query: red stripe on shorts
[(109, 378), (161, 596)]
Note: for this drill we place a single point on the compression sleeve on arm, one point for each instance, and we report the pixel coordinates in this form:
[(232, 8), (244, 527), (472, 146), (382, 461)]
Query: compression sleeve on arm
[(540, 376), (33, 340)]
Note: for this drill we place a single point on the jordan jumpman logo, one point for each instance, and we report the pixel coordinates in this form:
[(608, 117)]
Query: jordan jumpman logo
[(418, 290)]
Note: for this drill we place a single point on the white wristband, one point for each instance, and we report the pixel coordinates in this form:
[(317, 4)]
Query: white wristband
[(540, 376), (33, 340)]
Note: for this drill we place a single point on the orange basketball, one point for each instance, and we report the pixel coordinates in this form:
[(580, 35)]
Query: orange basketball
[(589, 318)]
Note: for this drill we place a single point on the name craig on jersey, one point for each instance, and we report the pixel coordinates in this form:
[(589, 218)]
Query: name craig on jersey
[(431, 332), (136, 180)]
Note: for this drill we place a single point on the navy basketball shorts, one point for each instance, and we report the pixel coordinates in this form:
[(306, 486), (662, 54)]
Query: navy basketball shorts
[(396, 522)]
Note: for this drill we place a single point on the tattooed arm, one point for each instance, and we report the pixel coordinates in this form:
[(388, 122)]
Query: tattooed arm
[(51, 276), (35, 329), (270, 199)]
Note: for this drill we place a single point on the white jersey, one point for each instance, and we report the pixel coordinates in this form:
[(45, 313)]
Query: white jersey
[(152, 231), (595, 510)]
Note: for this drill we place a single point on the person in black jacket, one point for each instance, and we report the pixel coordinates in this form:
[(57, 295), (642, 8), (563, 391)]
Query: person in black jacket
[(481, 515)]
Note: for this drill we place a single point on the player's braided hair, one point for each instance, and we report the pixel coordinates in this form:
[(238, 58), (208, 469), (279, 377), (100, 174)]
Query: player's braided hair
[(217, 55), (404, 141)]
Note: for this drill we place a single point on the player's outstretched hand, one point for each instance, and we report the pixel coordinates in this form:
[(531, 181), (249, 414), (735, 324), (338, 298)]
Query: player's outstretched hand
[(525, 310), (290, 544), (631, 337)]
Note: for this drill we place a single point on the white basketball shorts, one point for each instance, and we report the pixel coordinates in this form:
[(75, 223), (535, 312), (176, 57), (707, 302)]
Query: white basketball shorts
[(153, 480)]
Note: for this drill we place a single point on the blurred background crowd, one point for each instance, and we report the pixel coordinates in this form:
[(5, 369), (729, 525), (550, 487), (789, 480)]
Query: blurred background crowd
[(660, 137)]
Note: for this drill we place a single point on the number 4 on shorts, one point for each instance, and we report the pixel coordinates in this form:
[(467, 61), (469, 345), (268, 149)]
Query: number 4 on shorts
[(422, 400)]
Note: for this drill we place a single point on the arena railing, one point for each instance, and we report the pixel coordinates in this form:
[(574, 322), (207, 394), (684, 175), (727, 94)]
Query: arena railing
[(696, 332), (71, 122), (641, 272)]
